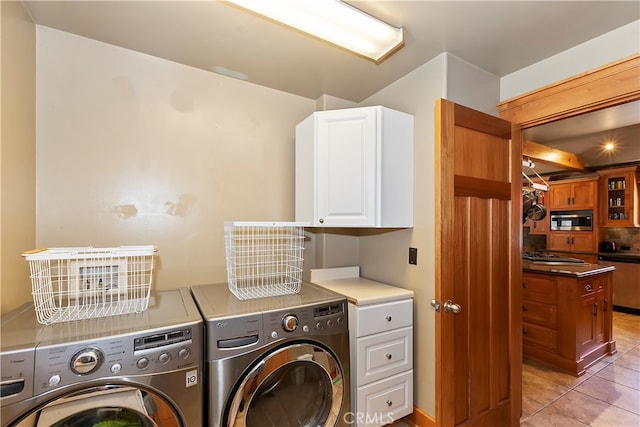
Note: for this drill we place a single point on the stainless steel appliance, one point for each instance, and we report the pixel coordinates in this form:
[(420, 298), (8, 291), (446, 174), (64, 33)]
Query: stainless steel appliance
[(572, 220), (626, 281), (145, 369), (277, 361)]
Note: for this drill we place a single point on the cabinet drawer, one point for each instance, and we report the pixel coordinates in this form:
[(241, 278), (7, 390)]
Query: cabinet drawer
[(385, 401), (376, 318), (536, 288), (540, 313), (384, 354), (540, 336), (590, 286)]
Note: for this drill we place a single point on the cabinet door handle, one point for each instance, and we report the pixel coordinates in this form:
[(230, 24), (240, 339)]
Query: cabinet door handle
[(568, 200), (568, 240), (388, 356), (524, 285), (525, 331), (525, 308), (595, 308), (388, 318), (605, 305), (588, 287), (573, 200)]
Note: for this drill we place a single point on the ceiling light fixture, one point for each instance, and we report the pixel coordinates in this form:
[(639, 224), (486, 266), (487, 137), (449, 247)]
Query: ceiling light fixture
[(333, 21)]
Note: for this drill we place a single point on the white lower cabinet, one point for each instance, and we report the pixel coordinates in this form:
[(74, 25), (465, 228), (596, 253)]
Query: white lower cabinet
[(381, 339), (385, 401)]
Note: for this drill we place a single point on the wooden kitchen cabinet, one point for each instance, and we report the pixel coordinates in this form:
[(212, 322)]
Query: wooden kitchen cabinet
[(584, 241), (538, 227), (567, 320), (619, 205), (354, 168), (579, 193)]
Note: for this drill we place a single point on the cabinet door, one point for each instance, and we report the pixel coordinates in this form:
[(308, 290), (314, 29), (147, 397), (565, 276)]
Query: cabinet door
[(559, 241), (346, 167), (618, 198), (584, 195), (582, 241), (560, 196), (587, 329)]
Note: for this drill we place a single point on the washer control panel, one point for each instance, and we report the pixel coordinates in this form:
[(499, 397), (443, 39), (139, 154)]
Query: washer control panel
[(146, 353), (320, 319)]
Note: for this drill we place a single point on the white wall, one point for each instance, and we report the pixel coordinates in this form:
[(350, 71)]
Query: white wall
[(17, 151), (612, 46), (133, 149), (471, 86)]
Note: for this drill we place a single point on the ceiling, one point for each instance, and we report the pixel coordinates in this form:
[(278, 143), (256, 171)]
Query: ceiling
[(499, 36)]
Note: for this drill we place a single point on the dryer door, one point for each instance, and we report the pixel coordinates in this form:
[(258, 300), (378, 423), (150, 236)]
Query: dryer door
[(296, 385), (109, 405)]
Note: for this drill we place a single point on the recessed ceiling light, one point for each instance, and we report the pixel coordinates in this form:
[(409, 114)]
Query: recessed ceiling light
[(609, 146)]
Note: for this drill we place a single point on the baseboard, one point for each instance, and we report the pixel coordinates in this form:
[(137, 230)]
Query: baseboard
[(419, 419)]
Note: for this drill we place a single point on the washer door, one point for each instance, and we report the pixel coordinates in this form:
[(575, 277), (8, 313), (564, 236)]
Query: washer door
[(109, 405), (297, 385)]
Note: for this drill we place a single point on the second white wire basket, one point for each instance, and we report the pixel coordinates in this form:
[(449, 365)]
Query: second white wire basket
[(85, 282), (264, 259)]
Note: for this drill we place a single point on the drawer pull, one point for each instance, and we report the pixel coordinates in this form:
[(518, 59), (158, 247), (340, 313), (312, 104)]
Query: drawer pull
[(588, 287), (388, 356), (388, 318), (389, 402), (595, 308)]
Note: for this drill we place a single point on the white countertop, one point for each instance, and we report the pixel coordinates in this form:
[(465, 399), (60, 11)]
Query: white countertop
[(359, 291)]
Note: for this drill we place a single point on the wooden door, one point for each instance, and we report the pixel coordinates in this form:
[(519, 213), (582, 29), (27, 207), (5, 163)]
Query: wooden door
[(478, 267)]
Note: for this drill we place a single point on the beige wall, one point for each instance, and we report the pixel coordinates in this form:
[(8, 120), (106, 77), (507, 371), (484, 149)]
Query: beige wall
[(133, 149), (17, 151)]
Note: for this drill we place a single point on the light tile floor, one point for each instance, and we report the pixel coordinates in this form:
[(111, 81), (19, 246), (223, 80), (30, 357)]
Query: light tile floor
[(607, 395)]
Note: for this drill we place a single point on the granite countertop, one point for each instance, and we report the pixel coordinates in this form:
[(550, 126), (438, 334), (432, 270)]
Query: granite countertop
[(565, 269), (623, 255)]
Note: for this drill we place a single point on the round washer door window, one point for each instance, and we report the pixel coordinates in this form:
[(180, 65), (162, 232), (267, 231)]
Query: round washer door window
[(109, 405), (297, 385)]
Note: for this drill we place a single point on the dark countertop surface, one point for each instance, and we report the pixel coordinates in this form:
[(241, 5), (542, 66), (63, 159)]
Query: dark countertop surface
[(621, 255), (565, 269)]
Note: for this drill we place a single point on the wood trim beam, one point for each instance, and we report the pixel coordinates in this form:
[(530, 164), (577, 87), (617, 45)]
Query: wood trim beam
[(606, 86), (551, 156)]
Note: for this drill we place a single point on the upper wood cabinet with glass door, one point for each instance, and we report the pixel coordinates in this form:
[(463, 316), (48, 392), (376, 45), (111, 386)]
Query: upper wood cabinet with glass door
[(619, 197)]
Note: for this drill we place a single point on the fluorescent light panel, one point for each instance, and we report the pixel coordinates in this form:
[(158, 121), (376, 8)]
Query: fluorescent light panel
[(333, 21)]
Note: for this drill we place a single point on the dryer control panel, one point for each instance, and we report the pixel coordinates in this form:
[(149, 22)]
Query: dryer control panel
[(320, 319), (117, 356)]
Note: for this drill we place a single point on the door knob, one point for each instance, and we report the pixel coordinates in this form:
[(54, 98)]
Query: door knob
[(452, 307), (435, 304)]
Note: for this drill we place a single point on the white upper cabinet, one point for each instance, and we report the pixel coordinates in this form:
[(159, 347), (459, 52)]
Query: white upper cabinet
[(354, 168)]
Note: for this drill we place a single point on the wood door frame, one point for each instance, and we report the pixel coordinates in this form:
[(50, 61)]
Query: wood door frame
[(612, 84)]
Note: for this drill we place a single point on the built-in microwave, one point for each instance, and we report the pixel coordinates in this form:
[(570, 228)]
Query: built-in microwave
[(572, 220)]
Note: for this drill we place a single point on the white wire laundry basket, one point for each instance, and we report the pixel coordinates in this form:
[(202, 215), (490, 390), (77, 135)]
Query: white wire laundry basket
[(77, 283), (264, 259)]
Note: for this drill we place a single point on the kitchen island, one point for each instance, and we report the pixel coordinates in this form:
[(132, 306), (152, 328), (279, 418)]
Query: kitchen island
[(567, 313)]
